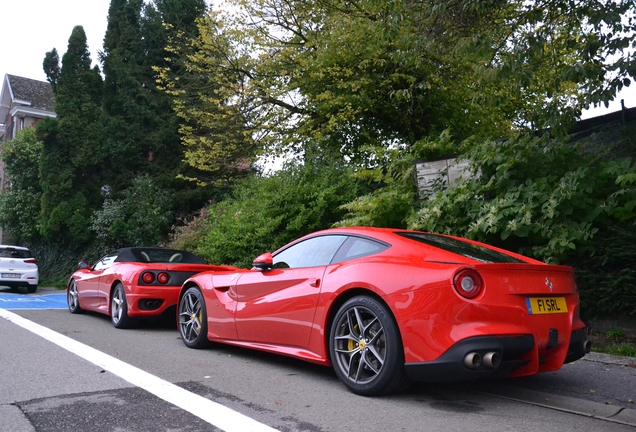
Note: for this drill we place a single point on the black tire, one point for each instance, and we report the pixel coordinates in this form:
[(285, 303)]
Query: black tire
[(31, 289), (119, 308), (366, 348), (193, 319), (72, 298)]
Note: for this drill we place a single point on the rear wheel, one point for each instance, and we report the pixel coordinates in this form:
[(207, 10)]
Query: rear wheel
[(193, 320), (31, 289), (72, 298), (119, 308), (366, 348)]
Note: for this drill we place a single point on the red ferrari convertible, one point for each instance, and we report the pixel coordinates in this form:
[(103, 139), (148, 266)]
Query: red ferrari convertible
[(133, 282), (385, 307)]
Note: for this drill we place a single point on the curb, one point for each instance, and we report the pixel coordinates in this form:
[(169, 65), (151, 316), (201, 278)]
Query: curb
[(624, 416), (609, 359)]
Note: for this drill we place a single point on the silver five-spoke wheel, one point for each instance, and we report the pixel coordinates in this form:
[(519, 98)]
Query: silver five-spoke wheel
[(72, 298), (119, 308)]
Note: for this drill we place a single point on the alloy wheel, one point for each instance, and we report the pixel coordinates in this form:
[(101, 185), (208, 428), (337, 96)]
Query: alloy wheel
[(360, 345)]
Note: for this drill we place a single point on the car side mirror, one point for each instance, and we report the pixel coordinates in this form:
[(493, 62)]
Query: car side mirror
[(83, 264), (263, 262)]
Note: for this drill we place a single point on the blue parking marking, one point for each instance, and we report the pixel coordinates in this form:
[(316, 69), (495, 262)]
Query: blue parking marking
[(32, 301)]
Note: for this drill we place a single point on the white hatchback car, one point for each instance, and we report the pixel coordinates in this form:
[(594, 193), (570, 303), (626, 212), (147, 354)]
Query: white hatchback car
[(18, 268)]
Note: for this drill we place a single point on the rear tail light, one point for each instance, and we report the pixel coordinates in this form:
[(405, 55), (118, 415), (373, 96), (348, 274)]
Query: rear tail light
[(163, 278), (31, 261), (468, 283), (148, 277)]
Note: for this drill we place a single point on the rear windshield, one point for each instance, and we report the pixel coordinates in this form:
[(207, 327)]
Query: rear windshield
[(463, 248), (9, 252)]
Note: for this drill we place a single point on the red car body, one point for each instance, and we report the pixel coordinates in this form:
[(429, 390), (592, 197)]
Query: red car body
[(450, 308), (149, 279)]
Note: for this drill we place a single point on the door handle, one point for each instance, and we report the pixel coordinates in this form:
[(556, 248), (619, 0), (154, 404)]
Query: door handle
[(315, 283)]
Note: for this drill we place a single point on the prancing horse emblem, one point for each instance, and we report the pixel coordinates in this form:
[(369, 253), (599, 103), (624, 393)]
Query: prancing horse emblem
[(548, 283)]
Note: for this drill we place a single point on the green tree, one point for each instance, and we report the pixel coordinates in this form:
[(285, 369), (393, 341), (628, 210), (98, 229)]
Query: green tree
[(70, 174), (213, 124), (335, 76), (141, 218), (51, 65), (143, 133), (20, 201), (127, 88)]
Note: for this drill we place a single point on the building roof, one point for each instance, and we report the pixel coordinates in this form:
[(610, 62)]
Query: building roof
[(27, 92)]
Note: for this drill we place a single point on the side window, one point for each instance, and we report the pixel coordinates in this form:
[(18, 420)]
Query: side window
[(316, 251), (358, 247), (105, 262)]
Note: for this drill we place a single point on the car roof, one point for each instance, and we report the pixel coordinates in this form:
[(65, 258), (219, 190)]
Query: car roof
[(15, 247), (394, 236)]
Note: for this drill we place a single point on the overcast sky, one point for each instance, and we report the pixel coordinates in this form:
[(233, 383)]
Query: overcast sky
[(30, 29)]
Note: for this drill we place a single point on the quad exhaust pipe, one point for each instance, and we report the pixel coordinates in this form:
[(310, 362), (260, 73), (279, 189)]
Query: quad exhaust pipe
[(474, 360)]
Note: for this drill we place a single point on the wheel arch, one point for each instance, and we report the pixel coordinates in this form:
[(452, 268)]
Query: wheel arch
[(110, 293), (186, 286), (341, 299)]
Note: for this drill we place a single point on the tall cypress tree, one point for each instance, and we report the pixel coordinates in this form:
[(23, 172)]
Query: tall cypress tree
[(142, 128), (126, 91), (71, 158)]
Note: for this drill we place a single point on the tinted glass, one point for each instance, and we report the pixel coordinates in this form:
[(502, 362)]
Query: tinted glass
[(316, 251), (358, 247), (459, 247), (10, 252)]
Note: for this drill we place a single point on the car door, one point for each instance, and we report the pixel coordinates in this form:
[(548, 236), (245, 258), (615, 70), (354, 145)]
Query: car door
[(89, 286), (277, 306)]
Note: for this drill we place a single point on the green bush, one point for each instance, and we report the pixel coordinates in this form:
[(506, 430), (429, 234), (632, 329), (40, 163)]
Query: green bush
[(140, 218), (606, 280), (265, 213), (392, 201), (56, 262), (541, 197)]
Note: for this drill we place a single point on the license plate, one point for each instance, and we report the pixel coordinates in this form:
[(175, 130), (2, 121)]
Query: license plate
[(546, 305), (11, 275)]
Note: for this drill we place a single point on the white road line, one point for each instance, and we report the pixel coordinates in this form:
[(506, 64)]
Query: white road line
[(212, 412)]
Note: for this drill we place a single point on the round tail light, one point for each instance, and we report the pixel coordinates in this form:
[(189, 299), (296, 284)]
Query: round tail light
[(148, 277), (163, 278), (468, 283)]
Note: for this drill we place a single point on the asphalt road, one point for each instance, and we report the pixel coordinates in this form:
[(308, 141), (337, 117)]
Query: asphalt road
[(45, 387)]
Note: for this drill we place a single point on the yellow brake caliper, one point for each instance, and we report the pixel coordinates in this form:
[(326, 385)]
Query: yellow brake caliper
[(352, 344)]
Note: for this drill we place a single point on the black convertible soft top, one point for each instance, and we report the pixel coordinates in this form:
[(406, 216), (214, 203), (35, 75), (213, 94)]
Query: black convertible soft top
[(157, 255)]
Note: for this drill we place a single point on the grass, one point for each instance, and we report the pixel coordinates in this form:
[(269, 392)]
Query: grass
[(613, 342)]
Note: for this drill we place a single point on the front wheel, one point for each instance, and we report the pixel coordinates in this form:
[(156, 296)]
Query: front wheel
[(72, 298), (119, 308), (193, 320), (366, 348)]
